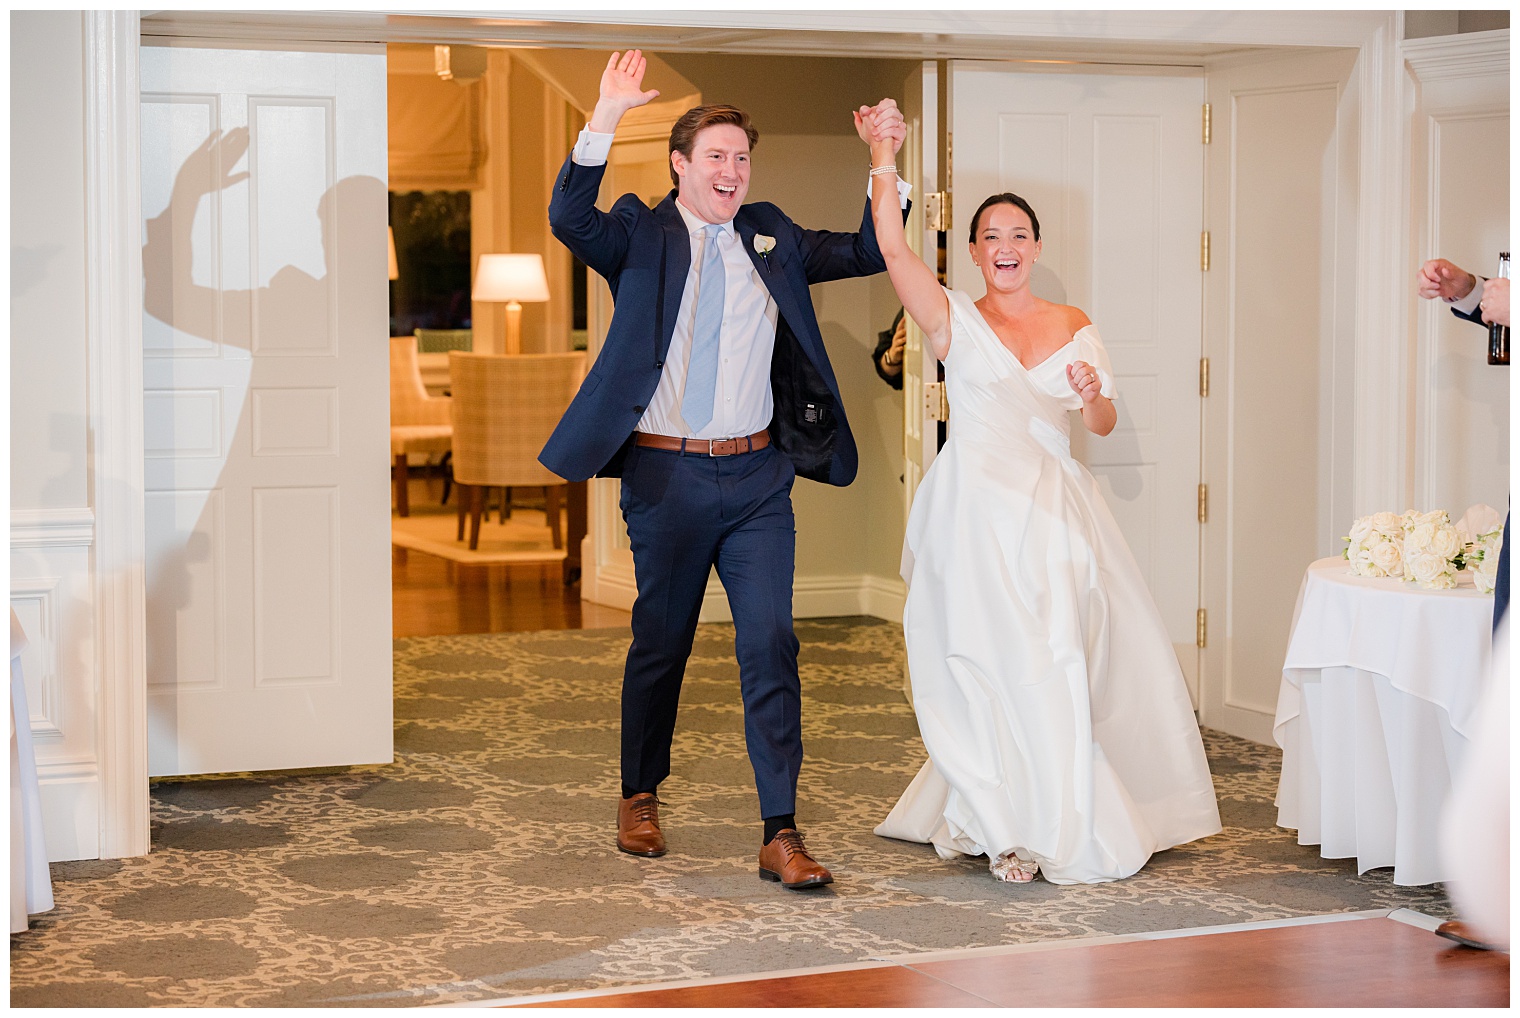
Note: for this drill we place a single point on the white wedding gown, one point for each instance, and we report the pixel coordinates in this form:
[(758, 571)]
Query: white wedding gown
[(1047, 691)]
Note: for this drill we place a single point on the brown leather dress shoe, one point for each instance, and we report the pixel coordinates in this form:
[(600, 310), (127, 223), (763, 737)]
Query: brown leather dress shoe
[(786, 859), (639, 826), (1457, 930)]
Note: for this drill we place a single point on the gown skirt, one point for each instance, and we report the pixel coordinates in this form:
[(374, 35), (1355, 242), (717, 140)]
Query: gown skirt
[(1048, 693)]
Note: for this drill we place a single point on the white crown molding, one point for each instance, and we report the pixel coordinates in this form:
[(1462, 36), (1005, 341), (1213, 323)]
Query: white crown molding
[(113, 293), (1474, 55), (52, 528), (1125, 36)]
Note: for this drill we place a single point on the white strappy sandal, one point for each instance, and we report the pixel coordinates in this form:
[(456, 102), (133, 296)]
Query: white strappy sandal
[(1010, 868)]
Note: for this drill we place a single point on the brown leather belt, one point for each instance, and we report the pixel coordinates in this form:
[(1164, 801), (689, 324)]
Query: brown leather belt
[(704, 447)]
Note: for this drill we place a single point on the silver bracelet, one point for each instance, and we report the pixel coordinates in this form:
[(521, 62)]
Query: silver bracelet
[(889, 168)]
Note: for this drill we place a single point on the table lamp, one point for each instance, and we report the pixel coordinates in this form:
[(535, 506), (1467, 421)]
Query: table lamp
[(511, 279)]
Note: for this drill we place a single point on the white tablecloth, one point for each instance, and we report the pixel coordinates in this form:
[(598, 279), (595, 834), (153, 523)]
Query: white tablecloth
[(1381, 687)]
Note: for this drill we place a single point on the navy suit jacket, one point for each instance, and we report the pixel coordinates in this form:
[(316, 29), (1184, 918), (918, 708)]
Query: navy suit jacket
[(644, 254)]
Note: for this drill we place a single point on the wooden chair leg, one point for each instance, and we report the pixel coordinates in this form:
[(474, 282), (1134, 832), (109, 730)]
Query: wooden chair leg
[(402, 509), (461, 506), (506, 505), (477, 502), (448, 475), (553, 498)]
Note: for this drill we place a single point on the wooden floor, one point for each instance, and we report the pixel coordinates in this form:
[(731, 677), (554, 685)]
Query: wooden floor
[(1363, 962), (434, 597)]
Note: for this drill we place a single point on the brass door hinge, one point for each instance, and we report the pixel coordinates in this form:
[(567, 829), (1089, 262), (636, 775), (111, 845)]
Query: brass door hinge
[(1203, 503), (936, 406), (1208, 123), (1203, 376), (937, 211), (1203, 627), (1203, 251)]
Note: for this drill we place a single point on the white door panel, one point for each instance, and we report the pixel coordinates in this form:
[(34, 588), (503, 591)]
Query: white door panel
[(266, 410), (1113, 166)]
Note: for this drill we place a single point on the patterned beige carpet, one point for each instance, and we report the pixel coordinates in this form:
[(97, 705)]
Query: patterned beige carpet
[(481, 863)]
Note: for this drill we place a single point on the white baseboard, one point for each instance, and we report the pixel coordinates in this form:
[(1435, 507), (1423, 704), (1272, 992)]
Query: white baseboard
[(813, 597), (70, 810), (816, 597), (883, 597), (610, 585)]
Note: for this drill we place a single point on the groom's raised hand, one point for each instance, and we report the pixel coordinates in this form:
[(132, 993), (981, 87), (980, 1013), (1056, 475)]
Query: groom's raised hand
[(622, 89)]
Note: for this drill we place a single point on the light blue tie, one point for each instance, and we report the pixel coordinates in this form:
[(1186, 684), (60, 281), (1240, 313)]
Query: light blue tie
[(702, 366)]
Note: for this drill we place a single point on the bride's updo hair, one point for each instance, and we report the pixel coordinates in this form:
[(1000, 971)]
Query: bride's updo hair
[(1006, 198)]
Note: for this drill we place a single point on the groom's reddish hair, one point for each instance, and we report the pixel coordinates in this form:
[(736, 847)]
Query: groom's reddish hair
[(683, 136)]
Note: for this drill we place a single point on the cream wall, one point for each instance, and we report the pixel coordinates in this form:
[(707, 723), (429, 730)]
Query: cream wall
[(49, 445)]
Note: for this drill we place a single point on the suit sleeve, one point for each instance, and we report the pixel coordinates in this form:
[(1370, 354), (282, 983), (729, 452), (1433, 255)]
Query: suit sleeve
[(828, 255), (600, 239)]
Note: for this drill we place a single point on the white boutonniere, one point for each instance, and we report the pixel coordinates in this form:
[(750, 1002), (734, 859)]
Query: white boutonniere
[(763, 247)]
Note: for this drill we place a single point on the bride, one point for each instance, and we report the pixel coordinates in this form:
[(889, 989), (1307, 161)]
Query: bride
[(1060, 734)]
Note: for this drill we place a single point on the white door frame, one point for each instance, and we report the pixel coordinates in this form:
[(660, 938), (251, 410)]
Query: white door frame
[(114, 295)]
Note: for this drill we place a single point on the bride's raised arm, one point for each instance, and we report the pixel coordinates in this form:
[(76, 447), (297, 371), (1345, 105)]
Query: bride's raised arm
[(922, 297)]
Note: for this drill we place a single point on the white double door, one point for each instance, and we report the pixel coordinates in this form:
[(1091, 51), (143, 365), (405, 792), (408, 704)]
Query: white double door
[(266, 408), (1113, 166)]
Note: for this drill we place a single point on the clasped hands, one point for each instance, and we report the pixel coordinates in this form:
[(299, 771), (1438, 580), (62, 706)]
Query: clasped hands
[(1440, 278), (881, 124)]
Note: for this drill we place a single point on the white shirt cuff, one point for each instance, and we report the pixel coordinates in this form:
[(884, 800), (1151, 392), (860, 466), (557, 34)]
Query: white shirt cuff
[(904, 190), (591, 148), (1467, 305)]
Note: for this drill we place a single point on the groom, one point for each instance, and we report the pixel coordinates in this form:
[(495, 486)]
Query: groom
[(711, 392)]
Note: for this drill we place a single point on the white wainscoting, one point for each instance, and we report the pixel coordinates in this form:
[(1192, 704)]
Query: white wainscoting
[(51, 594)]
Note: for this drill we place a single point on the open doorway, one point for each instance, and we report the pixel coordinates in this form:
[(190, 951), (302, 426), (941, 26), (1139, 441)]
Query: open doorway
[(527, 106), (469, 133)]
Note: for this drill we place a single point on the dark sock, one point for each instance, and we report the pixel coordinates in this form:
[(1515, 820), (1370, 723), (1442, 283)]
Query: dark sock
[(775, 825), (629, 793)]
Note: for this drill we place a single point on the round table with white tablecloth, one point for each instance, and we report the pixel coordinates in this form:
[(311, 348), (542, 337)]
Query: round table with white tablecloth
[(1381, 686)]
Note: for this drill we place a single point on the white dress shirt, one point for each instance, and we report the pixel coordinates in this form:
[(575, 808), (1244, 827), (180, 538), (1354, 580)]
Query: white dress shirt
[(742, 403)]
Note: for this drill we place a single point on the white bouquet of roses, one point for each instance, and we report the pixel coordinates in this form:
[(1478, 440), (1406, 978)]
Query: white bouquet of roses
[(1482, 531), (1375, 546), (1433, 550)]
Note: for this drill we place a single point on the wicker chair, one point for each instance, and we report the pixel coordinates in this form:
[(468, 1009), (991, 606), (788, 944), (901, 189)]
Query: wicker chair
[(504, 409), (419, 422)]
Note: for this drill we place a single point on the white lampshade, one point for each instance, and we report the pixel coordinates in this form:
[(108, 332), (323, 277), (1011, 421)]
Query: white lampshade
[(390, 241), (511, 277)]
